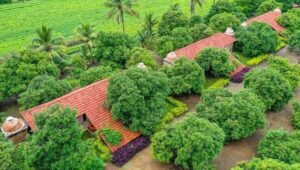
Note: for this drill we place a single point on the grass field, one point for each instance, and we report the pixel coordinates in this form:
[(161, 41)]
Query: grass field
[(19, 21)]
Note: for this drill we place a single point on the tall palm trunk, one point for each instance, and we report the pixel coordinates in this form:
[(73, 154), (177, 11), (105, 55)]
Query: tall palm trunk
[(122, 20), (192, 7)]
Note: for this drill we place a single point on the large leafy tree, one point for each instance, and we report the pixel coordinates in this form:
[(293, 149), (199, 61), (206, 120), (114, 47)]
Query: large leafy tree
[(294, 41), (248, 6), (7, 151), (200, 31), (258, 38), (287, 4), (193, 4), (137, 97), (42, 89), (185, 76), (94, 74), (215, 61), (119, 8), (171, 20), (290, 20), (271, 86), (140, 55), (113, 47), (239, 115), (57, 143), (280, 145), (265, 164), (18, 71), (46, 43), (192, 143), (220, 22), (267, 6), (290, 71)]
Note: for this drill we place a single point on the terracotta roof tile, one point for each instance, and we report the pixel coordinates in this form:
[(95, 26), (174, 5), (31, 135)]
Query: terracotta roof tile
[(268, 18), (90, 101), (219, 40)]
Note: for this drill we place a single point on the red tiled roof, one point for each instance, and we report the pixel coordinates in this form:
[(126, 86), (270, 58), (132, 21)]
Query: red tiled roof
[(90, 101), (219, 40), (268, 18)]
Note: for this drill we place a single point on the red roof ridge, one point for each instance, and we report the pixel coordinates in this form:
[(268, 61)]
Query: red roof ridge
[(269, 18)]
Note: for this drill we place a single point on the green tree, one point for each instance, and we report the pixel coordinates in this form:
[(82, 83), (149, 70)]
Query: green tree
[(271, 86), (296, 115), (215, 61), (57, 143), (239, 115), (119, 8), (46, 43), (181, 37), (113, 47), (287, 4), (267, 6), (294, 41), (94, 74), (290, 20), (185, 76), (171, 20), (192, 143), (42, 89), (194, 20), (200, 31), (137, 97), (220, 22), (258, 38), (248, 6), (7, 151), (140, 55), (265, 164), (18, 71), (280, 145), (148, 35), (193, 4), (164, 45)]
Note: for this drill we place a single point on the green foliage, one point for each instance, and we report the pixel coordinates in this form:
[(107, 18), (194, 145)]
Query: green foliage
[(7, 151), (258, 38), (248, 6), (171, 20), (57, 143), (267, 6), (137, 97), (265, 164), (174, 109), (94, 74), (181, 37), (173, 145), (221, 83), (287, 4), (215, 61), (280, 145), (194, 20), (113, 47), (111, 136), (101, 149), (185, 76), (294, 40), (140, 55), (290, 20), (200, 31), (239, 115), (296, 115), (290, 71), (17, 72), (220, 22), (42, 89), (257, 60), (164, 45), (271, 86)]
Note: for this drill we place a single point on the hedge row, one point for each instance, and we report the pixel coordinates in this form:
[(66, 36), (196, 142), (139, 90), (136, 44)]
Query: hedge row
[(178, 109), (257, 60), (219, 84)]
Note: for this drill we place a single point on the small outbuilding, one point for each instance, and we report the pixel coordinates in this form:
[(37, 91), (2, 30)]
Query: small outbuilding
[(14, 129)]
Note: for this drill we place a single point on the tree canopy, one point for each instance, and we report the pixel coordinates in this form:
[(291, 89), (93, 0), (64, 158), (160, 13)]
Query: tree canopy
[(200, 31), (267, 6), (7, 150), (294, 40), (173, 145), (94, 74), (290, 20), (185, 76), (265, 164), (140, 55), (171, 20), (280, 145), (257, 38), (137, 97), (215, 61), (248, 6), (42, 89), (239, 115), (220, 22), (57, 143), (271, 86)]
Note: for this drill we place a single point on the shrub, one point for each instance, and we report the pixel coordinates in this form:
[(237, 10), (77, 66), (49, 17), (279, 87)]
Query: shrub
[(239, 115), (185, 76), (219, 84), (294, 40), (265, 164), (215, 61), (296, 115), (220, 22), (173, 145), (271, 86), (257, 60), (258, 38), (101, 149), (125, 153), (280, 145), (239, 76), (112, 136), (179, 108)]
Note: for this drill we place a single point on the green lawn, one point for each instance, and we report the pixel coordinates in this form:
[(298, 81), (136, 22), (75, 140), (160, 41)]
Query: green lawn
[(19, 21)]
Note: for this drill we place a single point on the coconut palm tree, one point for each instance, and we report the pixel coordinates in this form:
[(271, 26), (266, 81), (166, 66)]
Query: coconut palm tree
[(193, 4), (45, 42), (147, 34), (119, 8)]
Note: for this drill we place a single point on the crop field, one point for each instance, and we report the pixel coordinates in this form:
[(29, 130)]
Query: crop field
[(19, 21)]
